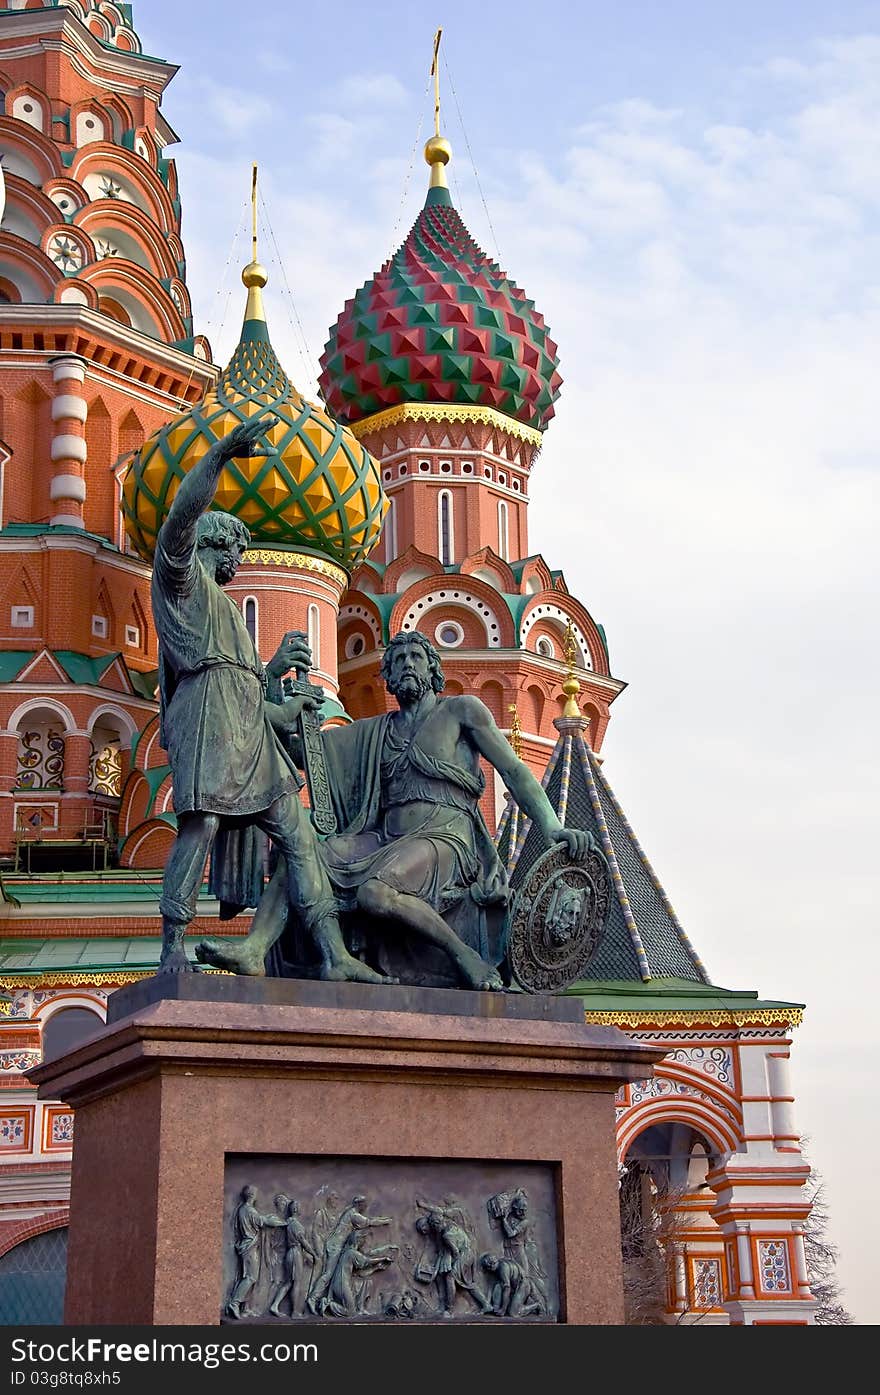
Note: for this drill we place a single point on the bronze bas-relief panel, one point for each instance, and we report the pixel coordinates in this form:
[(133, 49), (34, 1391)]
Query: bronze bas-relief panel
[(389, 1238)]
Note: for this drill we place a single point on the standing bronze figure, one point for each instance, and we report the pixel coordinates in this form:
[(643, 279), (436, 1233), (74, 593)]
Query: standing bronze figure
[(230, 771)]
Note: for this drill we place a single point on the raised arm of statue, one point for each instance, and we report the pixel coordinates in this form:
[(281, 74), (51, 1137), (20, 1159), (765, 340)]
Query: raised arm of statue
[(199, 486), (479, 727)]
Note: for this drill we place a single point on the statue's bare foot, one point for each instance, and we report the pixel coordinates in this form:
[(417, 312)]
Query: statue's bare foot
[(478, 974), (347, 969), (236, 956), (174, 961)]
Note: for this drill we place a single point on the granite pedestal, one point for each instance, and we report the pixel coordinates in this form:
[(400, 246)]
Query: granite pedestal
[(201, 1081)]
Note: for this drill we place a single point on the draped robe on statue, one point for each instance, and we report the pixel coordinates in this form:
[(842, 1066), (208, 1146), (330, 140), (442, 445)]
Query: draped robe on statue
[(370, 769), (225, 755)]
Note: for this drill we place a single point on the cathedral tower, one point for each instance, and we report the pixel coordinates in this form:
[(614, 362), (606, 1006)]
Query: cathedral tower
[(98, 350), (445, 370)]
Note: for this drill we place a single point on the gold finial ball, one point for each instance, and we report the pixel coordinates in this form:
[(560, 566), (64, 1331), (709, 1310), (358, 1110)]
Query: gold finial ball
[(571, 687), (438, 150), (254, 274)]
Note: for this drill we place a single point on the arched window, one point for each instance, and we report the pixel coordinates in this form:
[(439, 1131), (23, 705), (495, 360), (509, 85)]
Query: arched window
[(249, 609), (391, 531), (502, 529), (445, 528), (314, 633), (32, 1280), (105, 760), (40, 763), (66, 1028), (27, 108)]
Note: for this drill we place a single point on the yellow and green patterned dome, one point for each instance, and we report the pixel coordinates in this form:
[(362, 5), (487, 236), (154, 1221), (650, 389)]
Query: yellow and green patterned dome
[(319, 490)]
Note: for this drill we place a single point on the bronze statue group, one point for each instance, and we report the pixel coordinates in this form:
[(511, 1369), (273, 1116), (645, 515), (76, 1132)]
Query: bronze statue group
[(409, 887)]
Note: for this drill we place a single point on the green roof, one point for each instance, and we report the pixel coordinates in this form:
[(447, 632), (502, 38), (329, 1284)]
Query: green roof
[(672, 995), (80, 668), (12, 661), (33, 958), (36, 530), (385, 605), (84, 889), (144, 684), (516, 604), (331, 708)]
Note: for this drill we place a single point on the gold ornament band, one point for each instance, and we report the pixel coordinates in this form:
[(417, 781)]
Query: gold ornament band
[(295, 561), (61, 979), (738, 1017), (439, 411)]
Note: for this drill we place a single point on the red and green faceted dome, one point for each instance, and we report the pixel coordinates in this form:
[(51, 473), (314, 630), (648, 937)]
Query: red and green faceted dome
[(440, 323)]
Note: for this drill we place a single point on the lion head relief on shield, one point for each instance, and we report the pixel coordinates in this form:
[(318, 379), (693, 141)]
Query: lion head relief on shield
[(564, 914)]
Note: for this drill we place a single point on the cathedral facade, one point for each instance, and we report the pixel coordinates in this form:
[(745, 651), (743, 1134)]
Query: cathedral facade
[(397, 501)]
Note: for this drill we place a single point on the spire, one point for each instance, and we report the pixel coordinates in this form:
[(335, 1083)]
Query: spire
[(515, 737), (438, 151), (254, 277), (571, 687)]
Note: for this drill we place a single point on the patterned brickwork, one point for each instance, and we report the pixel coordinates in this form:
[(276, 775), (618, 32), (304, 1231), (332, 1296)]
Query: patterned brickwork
[(773, 1266)]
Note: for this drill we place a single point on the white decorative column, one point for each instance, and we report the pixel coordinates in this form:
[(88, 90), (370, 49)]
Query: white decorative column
[(785, 1135), (744, 1261), (69, 411), (802, 1274), (680, 1279)]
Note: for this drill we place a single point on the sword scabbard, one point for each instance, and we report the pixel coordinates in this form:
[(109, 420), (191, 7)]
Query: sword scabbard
[(315, 770)]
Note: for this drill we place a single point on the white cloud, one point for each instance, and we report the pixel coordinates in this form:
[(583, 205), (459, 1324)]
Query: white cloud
[(335, 136), (371, 90), (272, 61), (234, 110)]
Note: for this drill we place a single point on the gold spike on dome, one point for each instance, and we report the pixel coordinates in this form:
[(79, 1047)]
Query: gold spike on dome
[(571, 687), (438, 151), (254, 275)]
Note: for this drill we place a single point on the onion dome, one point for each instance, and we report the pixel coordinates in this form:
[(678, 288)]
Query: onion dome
[(440, 323), (318, 490)]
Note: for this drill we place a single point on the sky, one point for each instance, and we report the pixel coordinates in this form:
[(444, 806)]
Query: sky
[(689, 193)]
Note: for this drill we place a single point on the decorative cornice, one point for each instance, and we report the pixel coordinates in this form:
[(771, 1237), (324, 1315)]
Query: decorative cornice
[(439, 411), (106, 331), (299, 561), (714, 1017), (60, 979), (75, 40)]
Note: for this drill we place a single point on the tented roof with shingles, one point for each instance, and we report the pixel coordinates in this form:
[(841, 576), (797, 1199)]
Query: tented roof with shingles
[(643, 939)]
